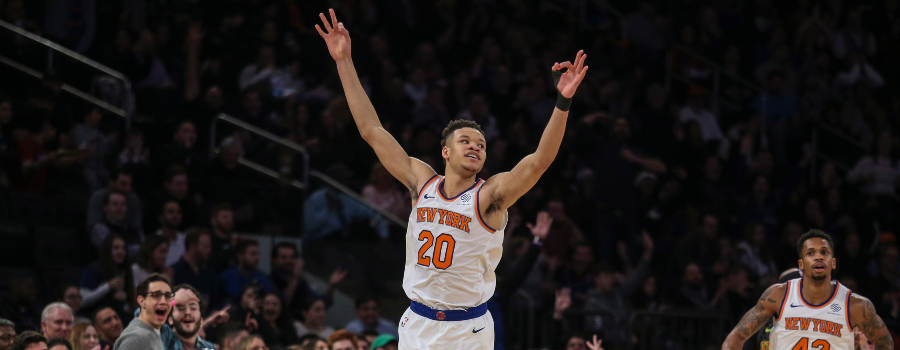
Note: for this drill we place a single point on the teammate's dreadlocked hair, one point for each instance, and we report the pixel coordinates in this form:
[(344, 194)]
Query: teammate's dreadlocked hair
[(456, 125)]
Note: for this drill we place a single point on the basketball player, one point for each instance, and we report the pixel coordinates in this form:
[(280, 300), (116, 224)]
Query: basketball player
[(455, 232), (812, 312)]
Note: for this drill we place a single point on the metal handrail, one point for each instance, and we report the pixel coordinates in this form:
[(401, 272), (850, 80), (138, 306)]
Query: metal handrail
[(306, 171), (349, 192), (78, 57), (67, 88), (81, 58)]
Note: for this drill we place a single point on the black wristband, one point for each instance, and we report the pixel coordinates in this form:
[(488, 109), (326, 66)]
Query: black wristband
[(562, 103)]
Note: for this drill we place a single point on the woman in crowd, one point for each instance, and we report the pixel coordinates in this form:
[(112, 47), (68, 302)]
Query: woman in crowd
[(253, 342), (151, 259), (84, 337), (277, 327), (314, 319), (104, 282)]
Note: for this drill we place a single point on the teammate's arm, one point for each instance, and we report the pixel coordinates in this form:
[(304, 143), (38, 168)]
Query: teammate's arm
[(766, 308), (408, 170), (505, 188), (862, 314)]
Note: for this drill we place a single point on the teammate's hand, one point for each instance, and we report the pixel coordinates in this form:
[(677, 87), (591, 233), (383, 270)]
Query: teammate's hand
[(542, 228), (595, 345), (570, 80), (218, 317), (250, 323), (336, 36)]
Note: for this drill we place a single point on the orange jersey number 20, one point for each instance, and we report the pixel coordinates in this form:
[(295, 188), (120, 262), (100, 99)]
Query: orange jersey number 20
[(441, 261)]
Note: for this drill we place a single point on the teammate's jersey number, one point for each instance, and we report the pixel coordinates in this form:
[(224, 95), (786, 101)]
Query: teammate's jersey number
[(820, 344), (444, 243)]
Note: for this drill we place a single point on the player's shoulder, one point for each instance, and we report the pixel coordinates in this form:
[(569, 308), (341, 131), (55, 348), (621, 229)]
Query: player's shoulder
[(774, 295), (858, 301)]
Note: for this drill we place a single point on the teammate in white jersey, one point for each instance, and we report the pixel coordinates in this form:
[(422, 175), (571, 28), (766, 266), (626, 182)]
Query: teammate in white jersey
[(812, 312), (455, 230)]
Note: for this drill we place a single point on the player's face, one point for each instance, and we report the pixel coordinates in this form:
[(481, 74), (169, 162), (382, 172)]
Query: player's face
[(466, 149), (817, 259)]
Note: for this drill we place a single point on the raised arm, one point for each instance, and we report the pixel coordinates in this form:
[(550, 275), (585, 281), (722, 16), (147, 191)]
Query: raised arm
[(863, 316), (410, 171), (766, 308), (502, 190)]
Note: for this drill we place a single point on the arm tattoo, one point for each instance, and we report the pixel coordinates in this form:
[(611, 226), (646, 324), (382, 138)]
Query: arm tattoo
[(873, 327), (751, 321)]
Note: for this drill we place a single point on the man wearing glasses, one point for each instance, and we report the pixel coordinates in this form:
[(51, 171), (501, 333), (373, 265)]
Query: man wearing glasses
[(154, 295)]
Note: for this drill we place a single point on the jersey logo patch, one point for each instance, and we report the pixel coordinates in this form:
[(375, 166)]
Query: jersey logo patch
[(440, 315), (426, 197), (466, 197), (477, 330), (835, 307), (792, 305)]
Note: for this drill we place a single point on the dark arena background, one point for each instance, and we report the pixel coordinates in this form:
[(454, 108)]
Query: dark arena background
[(209, 140)]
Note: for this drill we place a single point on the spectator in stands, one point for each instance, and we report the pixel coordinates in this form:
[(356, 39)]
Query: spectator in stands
[(260, 71), (176, 187), (182, 151), (187, 321), (367, 318), (383, 193), (754, 252), (7, 333), (277, 327), (114, 221), (193, 269), (135, 155), (328, 211), (879, 173), (34, 156), (230, 334), (71, 295), (735, 293), (859, 71), (19, 304), (479, 110), (287, 276), (87, 135), (121, 180), (154, 295), (313, 318), (251, 342), (693, 292), (109, 325), (247, 272), (854, 38), (223, 238), (345, 340), (109, 280), (151, 259), (59, 344), (169, 222), (575, 273), (57, 320), (85, 337), (225, 181), (695, 110), (701, 246), (30, 340)]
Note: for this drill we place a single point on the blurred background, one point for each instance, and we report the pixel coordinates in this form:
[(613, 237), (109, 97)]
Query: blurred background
[(706, 138)]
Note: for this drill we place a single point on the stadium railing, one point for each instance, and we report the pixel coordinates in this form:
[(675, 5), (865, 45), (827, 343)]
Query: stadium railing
[(110, 89), (303, 183), (679, 329)]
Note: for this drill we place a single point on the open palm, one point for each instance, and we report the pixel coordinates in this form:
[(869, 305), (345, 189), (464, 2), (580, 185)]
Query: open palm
[(336, 36), (572, 77)]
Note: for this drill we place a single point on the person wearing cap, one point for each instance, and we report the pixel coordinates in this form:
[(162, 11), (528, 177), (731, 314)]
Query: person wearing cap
[(385, 342), (329, 211)]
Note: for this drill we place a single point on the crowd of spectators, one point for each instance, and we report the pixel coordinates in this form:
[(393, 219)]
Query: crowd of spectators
[(663, 149)]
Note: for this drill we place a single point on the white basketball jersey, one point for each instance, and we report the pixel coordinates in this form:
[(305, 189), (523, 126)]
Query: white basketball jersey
[(801, 325), (451, 253)]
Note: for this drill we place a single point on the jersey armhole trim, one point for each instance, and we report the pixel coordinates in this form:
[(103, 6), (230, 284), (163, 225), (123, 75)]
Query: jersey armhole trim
[(478, 211), (425, 186), (787, 289), (849, 294)]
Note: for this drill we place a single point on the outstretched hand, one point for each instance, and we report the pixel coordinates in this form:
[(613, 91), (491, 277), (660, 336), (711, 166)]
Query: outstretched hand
[(595, 345), (572, 77), (336, 36), (542, 228)]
